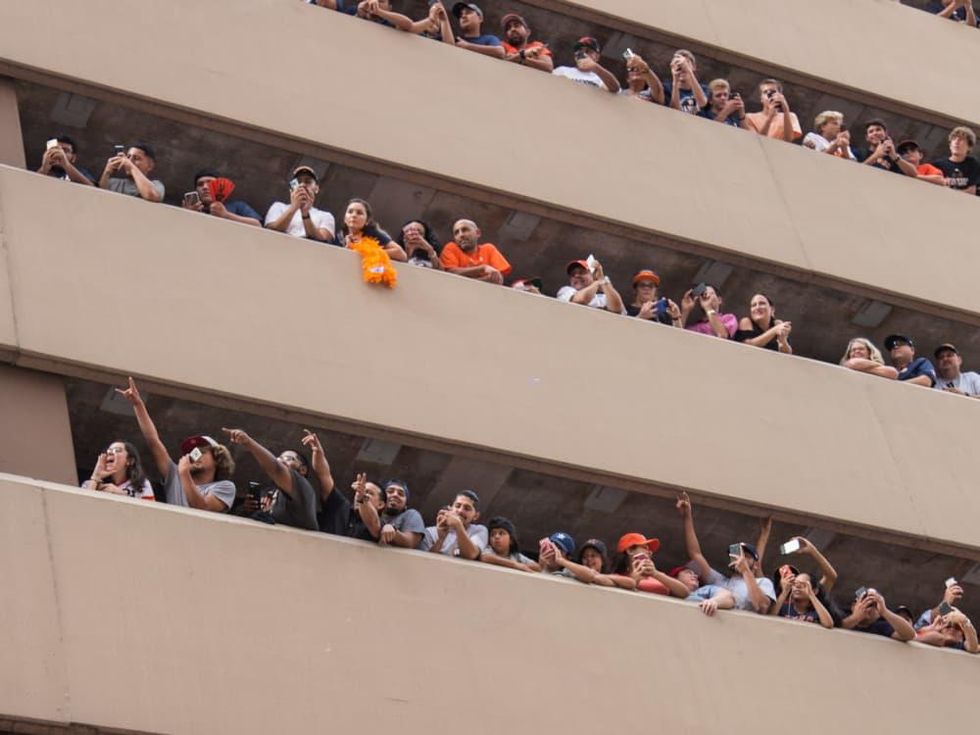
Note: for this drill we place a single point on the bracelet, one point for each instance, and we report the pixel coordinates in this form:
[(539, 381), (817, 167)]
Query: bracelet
[(523, 56), (305, 216)]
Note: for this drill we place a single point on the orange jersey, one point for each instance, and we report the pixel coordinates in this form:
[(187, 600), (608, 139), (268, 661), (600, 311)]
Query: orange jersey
[(485, 254)]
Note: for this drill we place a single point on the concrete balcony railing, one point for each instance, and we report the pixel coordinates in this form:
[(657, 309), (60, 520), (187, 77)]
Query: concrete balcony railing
[(103, 285), (122, 615), (587, 157)]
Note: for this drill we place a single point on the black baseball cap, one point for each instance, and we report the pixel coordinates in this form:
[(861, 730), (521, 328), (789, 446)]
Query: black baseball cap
[(895, 339), (304, 169), (587, 42)]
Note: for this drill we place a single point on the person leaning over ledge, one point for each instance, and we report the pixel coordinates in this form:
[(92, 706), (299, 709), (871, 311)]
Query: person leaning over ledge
[(950, 378), (466, 256), (201, 478), (590, 286), (870, 614), (863, 356), (457, 532), (294, 499), (471, 37), (912, 369), (133, 168), (587, 69), (775, 120), (300, 218), (519, 47), (400, 525)]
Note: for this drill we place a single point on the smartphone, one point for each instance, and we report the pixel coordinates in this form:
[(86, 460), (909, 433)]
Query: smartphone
[(945, 608), (661, 307), (790, 547), (253, 490), (628, 54), (698, 290), (196, 454), (591, 262), (120, 150), (735, 551), (192, 197), (860, 593), (53, 143), (293, 183), (950, 582)]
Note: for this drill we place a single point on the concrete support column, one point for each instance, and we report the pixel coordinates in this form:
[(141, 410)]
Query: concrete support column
[(11, 139), (35, 434)]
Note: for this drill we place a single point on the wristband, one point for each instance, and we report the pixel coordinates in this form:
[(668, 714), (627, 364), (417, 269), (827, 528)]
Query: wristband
[(306, 216)]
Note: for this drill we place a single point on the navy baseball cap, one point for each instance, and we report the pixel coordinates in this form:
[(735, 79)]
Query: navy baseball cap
[(896, 339), (563, 541), (458, 9)]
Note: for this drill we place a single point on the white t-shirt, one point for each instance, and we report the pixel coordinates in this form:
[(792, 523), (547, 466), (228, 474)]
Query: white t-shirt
[(478, 534), (968, 383), (320, 219), (582, 77), (821, 144), (565, 293)]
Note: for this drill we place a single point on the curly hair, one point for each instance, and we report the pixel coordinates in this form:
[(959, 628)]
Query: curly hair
[(224, 463)]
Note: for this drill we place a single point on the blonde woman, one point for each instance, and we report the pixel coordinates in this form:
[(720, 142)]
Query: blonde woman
[(863, 356)]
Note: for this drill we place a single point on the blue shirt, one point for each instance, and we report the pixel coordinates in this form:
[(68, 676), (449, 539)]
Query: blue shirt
[(918, 366), (686, 98), (707, 113), (241, 209), (485, 40)]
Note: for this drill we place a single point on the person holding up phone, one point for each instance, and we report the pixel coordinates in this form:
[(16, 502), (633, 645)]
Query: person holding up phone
[(201, 478), (587, 69), (635, 563), (128, 172), (748, 591), (555, 557), (881, 152), (60, 160), (201, 199), (775, 120), (725, 106), (648, 304), (684, 92), (300, 218), (703, 302), (870, 614), (588, 285), (642, 83), (797, 596), (457, 532)]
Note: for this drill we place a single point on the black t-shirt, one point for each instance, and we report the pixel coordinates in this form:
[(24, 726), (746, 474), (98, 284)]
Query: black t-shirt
[(743, 334), (337, 516), (300, 510), (960, 175), (884, 163), (878, 627)]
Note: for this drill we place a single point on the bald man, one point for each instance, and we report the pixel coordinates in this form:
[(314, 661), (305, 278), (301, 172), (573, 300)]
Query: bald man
[(467, 256)]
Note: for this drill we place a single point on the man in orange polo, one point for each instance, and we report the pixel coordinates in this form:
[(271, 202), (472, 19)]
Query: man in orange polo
[(467, 256)]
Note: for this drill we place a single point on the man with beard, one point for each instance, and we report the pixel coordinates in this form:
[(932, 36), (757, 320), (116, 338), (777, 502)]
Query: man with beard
[(520, 48), (471, 37), (466, 256), (200, 479), (129, 173), (950, 378), (457, 532), (61, 161), (402, 526)]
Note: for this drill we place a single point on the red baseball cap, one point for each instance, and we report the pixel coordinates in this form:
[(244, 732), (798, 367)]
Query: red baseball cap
[(577, 264), (646, 275), (637, 539), (196, 441)]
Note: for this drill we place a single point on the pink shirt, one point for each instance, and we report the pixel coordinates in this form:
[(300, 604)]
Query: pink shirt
[(729, 320)]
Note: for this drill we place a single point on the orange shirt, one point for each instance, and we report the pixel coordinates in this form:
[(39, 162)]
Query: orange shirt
[(545, 51), (485, 254), (927, 169), (757, 121)]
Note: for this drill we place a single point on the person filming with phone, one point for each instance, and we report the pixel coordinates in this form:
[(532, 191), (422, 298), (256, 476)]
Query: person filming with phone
[(587, 69), (128, 172), (203, 199), (588, 285), (60, 161), (798, 598), (870, 614), (775, 120), (703, 303), (300, 218)]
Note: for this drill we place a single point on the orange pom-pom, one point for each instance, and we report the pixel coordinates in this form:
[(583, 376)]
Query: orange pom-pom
[(376, 266)]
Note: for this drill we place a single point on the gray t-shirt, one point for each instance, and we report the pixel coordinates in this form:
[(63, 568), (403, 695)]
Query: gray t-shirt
[(223, 490), (409, 521), (740, 589), (299, 511), (126, 186), (515, 557), (968, 383), (478, 535)]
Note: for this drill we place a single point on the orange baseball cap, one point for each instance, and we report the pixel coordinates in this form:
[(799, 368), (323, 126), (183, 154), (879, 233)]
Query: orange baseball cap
[(646, 275), (637, 539), (577, 264)]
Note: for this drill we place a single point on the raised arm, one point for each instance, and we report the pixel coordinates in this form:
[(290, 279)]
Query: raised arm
[(829, 574), (270, 464), (765, 529), (691, 537), (158, 451), (318, 460), (363, 507), (759, 599)]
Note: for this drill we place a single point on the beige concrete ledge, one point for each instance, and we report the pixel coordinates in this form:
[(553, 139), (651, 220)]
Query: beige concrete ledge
[(868, 46), (507, 373), (656, 172), (218, 625)]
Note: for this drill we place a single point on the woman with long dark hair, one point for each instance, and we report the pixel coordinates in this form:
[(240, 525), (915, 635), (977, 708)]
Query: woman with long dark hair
[(420, 244), (762, 329), (119, 471), (359, 225)]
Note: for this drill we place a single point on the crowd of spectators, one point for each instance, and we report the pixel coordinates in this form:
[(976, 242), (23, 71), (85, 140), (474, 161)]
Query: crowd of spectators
[(699, 309), (300, 491)]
